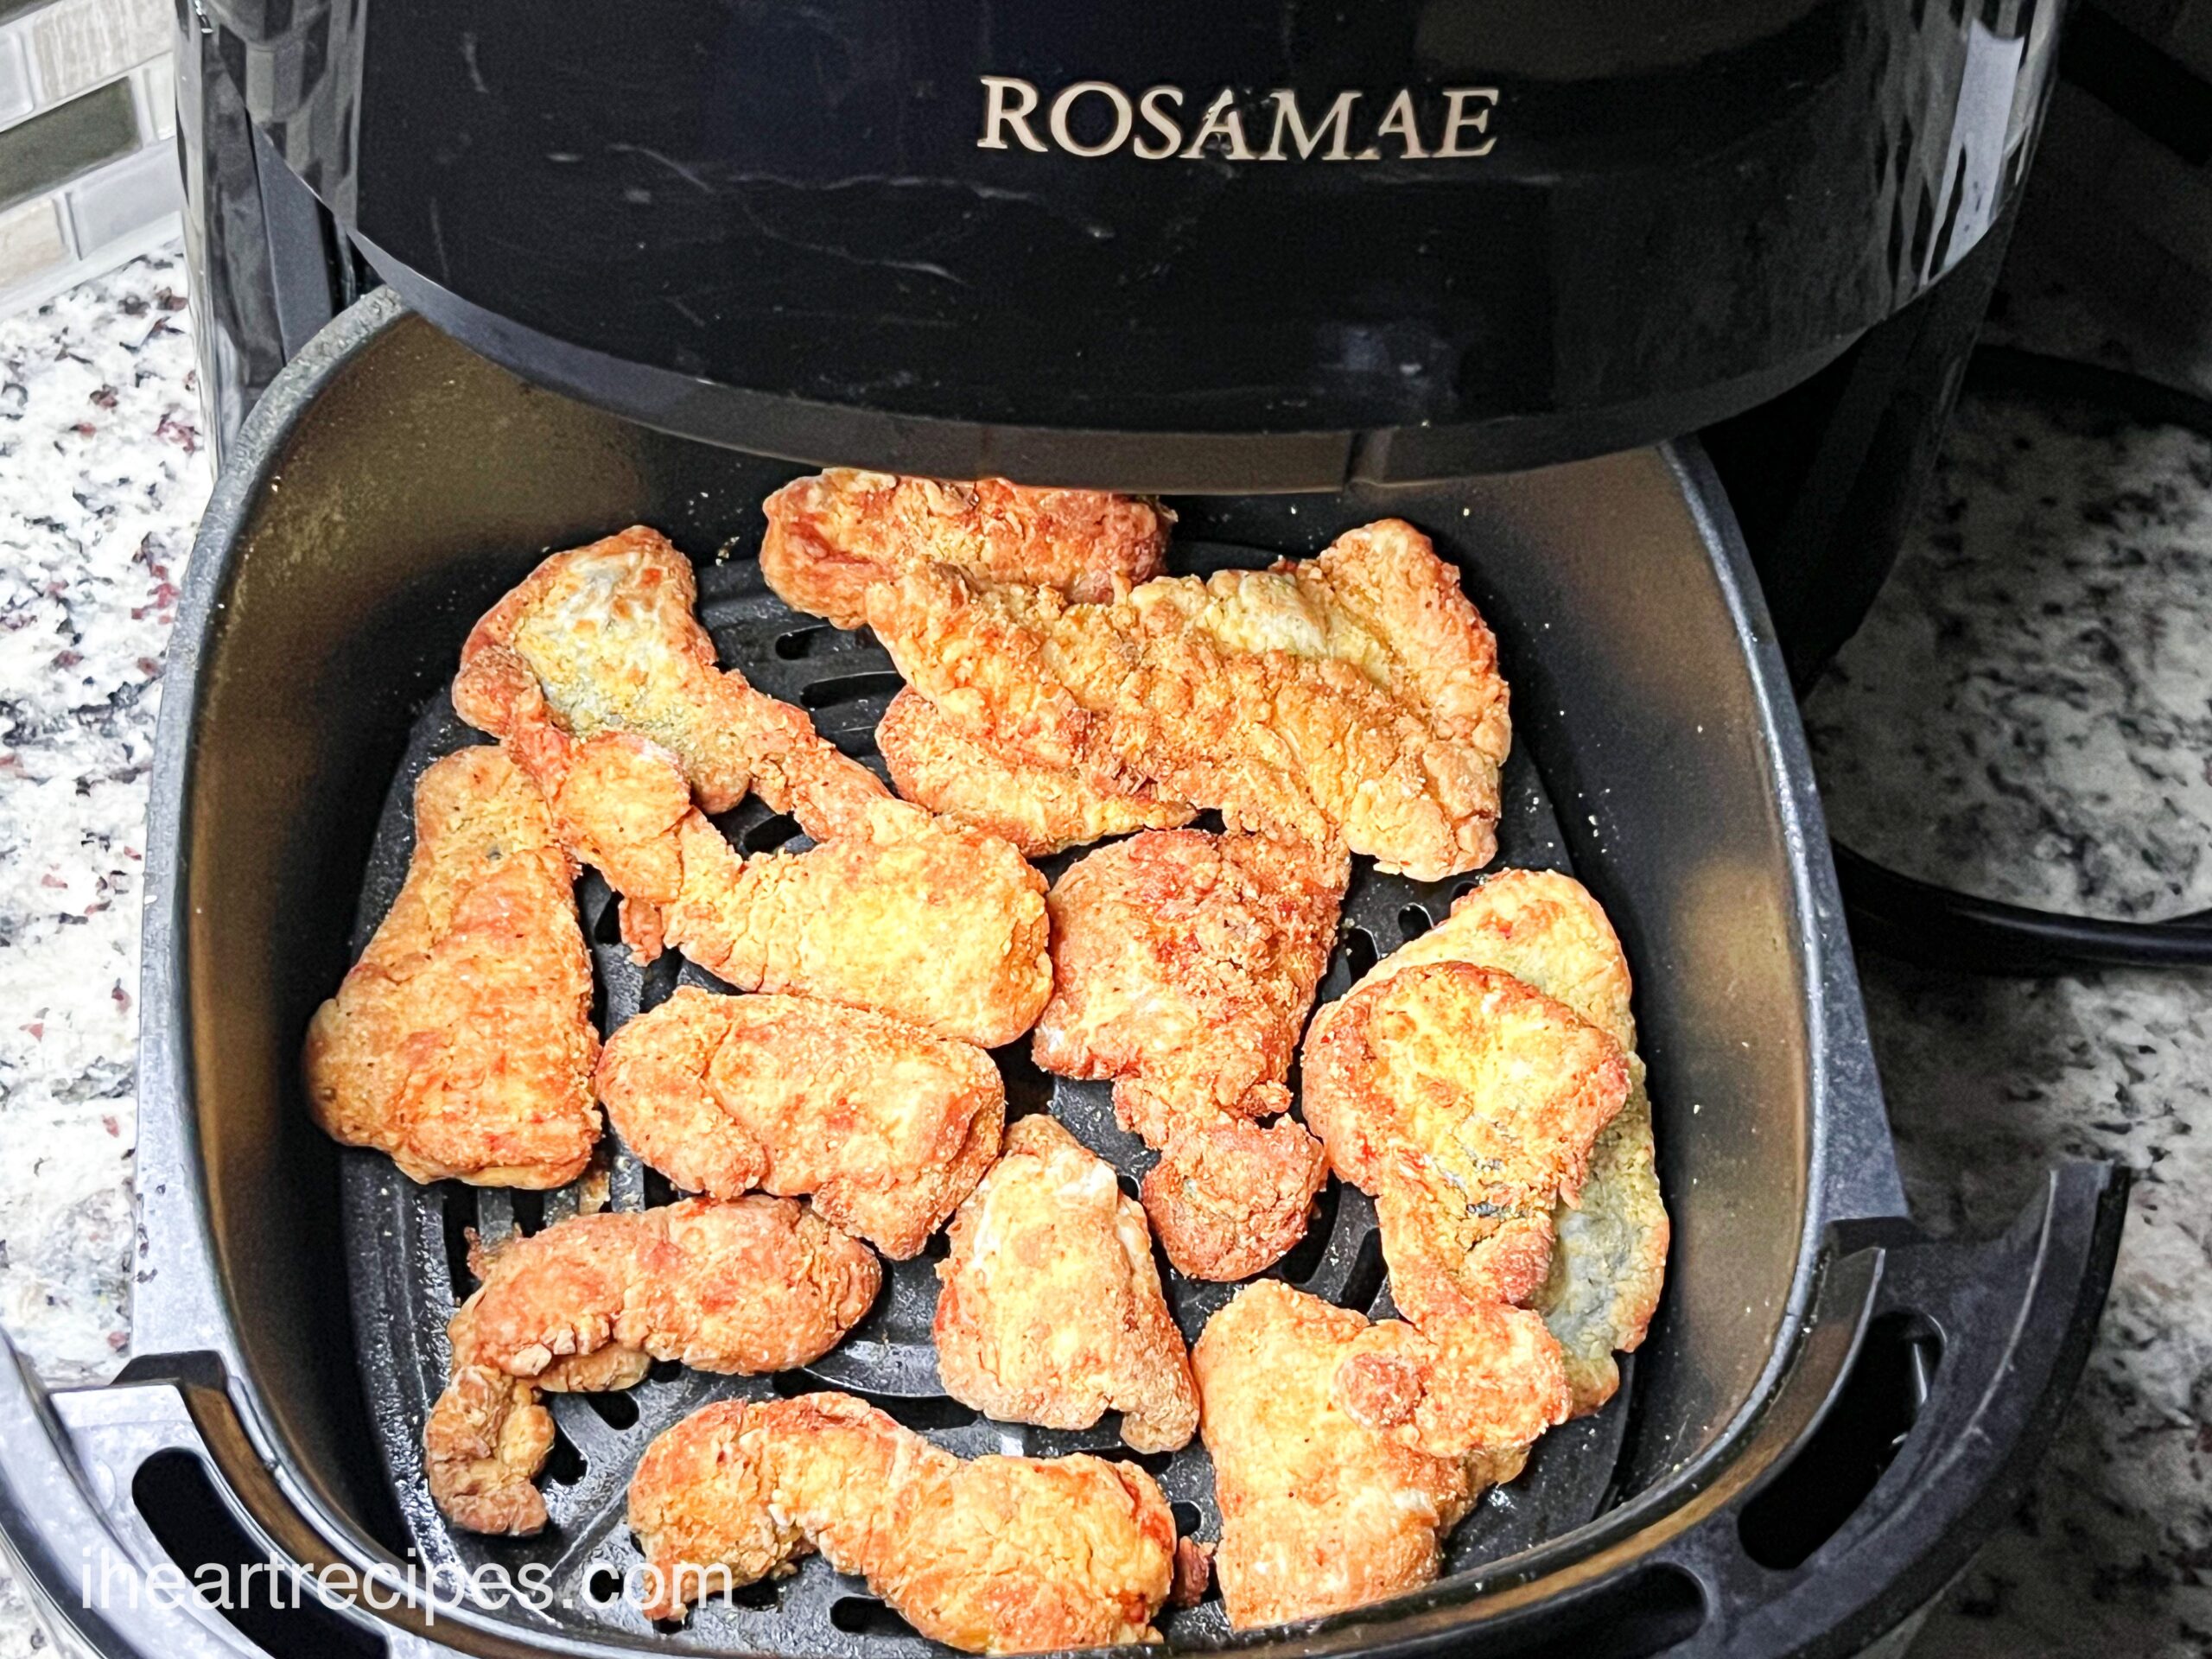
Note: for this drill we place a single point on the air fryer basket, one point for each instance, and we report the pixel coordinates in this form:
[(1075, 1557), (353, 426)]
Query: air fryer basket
[(391, 484)]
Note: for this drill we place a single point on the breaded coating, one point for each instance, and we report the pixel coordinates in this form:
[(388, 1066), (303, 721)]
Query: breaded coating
[(887, 1126), (607, 634), (1041, 809), (1051, 1311), (911, 914), (1610, 1261), (915, 916), (832, 536), (1467, 1102), (755, 1285), (1183, 966), (462, 1042), (998, 1554), (1345, 1452), (1354, 696)]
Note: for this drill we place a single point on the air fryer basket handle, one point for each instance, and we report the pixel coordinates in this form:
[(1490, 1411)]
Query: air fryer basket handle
[(84, 1552), (2014, 1318)]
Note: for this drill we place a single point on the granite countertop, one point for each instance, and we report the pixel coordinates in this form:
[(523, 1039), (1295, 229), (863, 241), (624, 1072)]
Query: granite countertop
[(2026, 714)]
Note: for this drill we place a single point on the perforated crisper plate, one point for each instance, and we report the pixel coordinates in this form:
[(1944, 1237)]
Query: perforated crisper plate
[(406, 1250)]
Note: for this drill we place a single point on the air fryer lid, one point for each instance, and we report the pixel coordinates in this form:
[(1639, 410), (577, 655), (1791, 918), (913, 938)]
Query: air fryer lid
[(1248, 245)]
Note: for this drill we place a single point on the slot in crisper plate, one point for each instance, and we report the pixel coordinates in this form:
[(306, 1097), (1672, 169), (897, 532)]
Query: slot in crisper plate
[(405, 1244)]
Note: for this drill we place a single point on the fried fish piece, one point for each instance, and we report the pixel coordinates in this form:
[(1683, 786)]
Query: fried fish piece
[(1183, 966), (754, 1285), (1345, 1452), (832, 536), (1041, 809), (606, 633), (999, 1554), (462, 1042), (1610, 1261), (915, 916), (1051, 1311), (1467, 1102), (1351, 696), (888, 1126)]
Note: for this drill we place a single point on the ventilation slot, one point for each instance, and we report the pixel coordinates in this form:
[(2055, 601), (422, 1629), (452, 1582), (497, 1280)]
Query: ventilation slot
[(1364, 1283), (564, 1465), (456, 1210), (920, 1412), (1305, 1256), (617, 1410), (794, 643), (1413, 922), (769, 834), (1360, 953), (177, 1500), (1804, 1504), (1027, 1088), (865, 1616), (848, 688), (1155, 1464)]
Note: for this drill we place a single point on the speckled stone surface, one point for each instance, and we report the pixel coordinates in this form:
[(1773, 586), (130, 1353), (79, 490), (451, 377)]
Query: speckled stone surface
[(2029, 712), (102, 480)]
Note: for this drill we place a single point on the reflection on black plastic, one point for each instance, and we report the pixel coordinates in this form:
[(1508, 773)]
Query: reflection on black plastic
[(1804, 1504), (178, 1504), (1637, 1617)]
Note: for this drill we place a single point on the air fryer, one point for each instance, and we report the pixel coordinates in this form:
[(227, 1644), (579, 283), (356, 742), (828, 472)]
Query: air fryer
[(647, 270)]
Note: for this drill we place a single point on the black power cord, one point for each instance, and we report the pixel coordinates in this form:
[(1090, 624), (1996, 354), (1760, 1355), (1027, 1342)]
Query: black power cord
[(1936, 926)]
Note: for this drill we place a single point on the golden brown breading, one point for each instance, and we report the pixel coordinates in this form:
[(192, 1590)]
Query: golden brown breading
[(1353, 696), (887, 1126), (462, 1042), (1345, 1452), (997, 1554), (915, 916), (1467, 1102), (1051, 1310), (755, 1285), (1183, 966), (832, 536), (1610, 1261), (607, 635), (1041, 810)]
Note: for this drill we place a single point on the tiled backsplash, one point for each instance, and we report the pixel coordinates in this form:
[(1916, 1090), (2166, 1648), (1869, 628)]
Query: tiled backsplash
[(88, 170)]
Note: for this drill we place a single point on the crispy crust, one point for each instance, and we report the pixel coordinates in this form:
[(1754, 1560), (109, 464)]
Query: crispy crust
[(1345, 1452), (1354, 696), (462, 1042), (888, 1126), (606, 635), (914, 916), (1467, 1102), (997, 1554), (1041, 809), (1184, 965), (1051, 1310), (756, 1285), (832, 536), (1609, 1263)]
